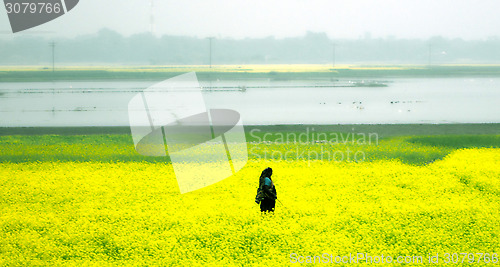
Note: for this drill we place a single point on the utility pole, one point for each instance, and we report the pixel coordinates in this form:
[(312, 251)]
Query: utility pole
[(210, 51), (430, 55), (53, 45), (333, 56), (152, 19)]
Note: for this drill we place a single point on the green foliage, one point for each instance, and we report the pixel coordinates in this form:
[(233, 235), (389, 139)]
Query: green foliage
[(120, 148), (458, 141)]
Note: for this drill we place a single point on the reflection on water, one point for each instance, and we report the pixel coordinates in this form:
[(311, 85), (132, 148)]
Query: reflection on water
[(443, 100)]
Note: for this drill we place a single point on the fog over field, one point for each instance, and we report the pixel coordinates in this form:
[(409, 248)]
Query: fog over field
[(467, 19), (109, 47), (261, 32)]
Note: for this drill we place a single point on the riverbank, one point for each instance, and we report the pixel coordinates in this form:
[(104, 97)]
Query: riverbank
[(242, 72), (383, 130)]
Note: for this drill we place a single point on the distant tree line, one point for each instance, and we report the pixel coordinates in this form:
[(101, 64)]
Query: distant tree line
[(109, 47)]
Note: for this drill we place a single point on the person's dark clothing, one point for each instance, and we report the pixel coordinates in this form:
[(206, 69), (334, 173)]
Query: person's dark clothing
[(267, 204), (268, 201)]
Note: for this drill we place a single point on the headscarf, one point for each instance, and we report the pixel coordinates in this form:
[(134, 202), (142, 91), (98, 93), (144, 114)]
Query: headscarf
[(267, 172)]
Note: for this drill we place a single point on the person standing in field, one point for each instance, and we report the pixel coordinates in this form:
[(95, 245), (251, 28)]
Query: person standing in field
[(266, 193)]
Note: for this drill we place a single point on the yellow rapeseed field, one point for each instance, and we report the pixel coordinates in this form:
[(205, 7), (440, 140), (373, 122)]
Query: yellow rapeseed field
[(102, 213)]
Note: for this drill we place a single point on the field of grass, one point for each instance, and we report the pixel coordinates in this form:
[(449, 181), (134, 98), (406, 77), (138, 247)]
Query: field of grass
[(236, 72), (91, 199)]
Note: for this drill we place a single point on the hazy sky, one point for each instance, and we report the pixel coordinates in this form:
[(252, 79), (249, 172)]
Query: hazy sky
[(468, 19)]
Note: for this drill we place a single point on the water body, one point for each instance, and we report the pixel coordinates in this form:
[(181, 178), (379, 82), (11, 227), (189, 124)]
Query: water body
[(262, 102)]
